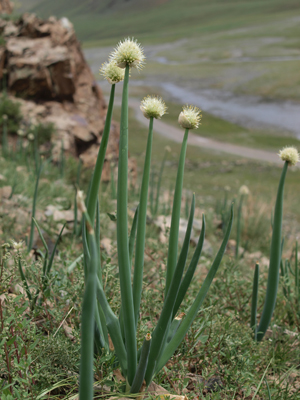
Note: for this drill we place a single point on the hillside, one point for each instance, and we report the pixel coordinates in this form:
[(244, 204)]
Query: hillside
[(109, 20)]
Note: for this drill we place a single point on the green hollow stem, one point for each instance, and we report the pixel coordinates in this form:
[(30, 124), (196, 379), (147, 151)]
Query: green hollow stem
[(275, 258), (113, 327), (160, 333), (238, 227), (86, 379), (253, 320), (191, 270), (133, 234), (193, 310), (141, 369), (95, 182), (122, 237), (297, 288), (174, 230), (159, 182), (30, 243), (141, 228)]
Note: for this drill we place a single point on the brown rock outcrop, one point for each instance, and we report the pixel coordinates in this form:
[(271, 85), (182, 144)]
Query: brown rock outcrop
[(43, 64), (6, 7)]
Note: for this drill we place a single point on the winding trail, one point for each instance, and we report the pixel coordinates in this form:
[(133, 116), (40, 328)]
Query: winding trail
[(176, 134)]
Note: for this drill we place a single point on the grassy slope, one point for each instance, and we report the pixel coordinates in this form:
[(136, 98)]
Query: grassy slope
[(101, 20)]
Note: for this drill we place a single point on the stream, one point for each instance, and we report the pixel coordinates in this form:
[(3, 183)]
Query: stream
[(244, 110)]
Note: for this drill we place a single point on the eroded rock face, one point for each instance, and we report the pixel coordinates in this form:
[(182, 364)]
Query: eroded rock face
[(42, 63)]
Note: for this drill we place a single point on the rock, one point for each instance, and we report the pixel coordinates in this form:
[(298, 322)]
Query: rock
[(45, 68), (6, 7)]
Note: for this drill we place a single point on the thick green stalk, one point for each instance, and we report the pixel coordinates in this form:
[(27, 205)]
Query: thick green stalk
[(141, 369), (141, 228), (159, 182), (122, 237), (253, 321), (133, 234), (193, 310), (88, 321), (275, 257), (173, 240), (95, 182), (113, 327), (297, 288)]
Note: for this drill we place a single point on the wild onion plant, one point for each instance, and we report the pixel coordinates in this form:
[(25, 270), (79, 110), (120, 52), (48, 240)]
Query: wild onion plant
[(290, 156), (98, 318)]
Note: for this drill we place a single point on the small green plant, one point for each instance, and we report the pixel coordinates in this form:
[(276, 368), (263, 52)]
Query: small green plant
[(290, 156), (157, 348), (12, 111)]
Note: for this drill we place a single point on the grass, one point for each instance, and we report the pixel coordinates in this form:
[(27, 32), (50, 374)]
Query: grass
[(219, 345)]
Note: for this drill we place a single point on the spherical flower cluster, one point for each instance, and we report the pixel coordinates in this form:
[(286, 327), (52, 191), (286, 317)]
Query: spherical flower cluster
[(128, 52), (4, 117), (112, 72), (244, 190), (190, 117), (290, 155), (153, 106)]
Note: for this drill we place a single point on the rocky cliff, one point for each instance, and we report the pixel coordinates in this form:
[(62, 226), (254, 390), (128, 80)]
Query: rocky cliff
[(41, 63)]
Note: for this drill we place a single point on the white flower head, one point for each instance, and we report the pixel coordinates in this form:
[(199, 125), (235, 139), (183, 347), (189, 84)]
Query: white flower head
[(30, 137), (17, 245), (244, 190), (21, 132), (128, 52), (153, 106), (112, 72), (289, 154), (190, 117), (4, 117)]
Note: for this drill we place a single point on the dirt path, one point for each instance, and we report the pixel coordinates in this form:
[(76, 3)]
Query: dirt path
[(176, 134)]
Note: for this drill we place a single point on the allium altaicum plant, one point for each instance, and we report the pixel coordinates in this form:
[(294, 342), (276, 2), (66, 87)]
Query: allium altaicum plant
[(290, 156), (98, 319)]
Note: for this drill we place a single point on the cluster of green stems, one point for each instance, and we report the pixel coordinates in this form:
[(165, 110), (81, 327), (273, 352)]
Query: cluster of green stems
[(98, 320)]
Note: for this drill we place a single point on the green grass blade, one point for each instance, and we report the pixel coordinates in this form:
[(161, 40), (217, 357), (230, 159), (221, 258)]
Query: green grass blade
[(141, 369), (253, 320), (141, 228), (54, 250), (24, 280), (238, 227), (161, 331), (191, 270), (45, 246), (95, 182), (133, 234), (30, 242), (122, 237), (193, 310), (275, 258), (174, 230)]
